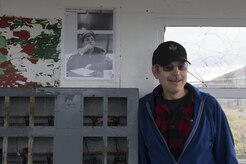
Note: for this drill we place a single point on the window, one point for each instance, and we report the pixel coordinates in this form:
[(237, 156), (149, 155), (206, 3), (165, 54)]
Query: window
[(217, 54)]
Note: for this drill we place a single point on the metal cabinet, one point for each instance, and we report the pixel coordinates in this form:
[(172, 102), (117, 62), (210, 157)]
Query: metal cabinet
[(68, 125)]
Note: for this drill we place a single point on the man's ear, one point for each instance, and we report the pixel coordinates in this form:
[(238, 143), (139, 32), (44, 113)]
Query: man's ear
[(155, 71)]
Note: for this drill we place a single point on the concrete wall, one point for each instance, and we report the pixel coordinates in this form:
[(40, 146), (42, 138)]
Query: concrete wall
[(139, 29)]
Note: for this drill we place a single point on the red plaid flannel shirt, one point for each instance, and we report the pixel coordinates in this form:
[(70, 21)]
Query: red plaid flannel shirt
[(174, 125)]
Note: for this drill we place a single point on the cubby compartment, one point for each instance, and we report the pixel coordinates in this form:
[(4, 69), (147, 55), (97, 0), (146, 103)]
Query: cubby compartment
[(93, 111), (1, 148), (2, 99), (93, 150), (17, 150), (42, 150), (23, 150), (117, 111), (117, 150), (44, 111), (18, 111)]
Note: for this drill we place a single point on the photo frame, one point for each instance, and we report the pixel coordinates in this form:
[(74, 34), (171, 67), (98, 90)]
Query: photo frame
[(89, 44)]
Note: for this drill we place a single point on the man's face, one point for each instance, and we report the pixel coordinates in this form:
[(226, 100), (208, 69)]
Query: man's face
[(172, 77), (89, 40)]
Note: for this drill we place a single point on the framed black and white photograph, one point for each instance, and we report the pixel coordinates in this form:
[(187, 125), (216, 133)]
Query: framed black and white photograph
[(89, 44)]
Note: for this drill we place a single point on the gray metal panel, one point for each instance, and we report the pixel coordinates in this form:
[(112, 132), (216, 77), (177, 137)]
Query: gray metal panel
[(68, 112), (68, 131), (67, 148)]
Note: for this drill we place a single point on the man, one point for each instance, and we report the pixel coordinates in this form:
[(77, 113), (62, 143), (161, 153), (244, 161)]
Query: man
[(89, 56), (177, 122)]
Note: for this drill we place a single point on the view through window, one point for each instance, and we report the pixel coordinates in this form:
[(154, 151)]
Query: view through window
[(217, 56)]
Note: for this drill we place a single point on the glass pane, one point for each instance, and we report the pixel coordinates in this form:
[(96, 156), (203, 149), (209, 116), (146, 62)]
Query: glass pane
[(95, 19)]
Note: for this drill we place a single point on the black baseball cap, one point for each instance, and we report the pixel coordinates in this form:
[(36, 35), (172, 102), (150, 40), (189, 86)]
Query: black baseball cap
[(167, 52)]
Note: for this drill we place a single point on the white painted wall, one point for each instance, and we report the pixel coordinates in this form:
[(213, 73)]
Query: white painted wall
[(139, 29)]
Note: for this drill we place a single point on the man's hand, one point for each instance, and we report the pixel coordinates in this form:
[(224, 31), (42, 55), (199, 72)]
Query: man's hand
[(85, 49), (88, 66)]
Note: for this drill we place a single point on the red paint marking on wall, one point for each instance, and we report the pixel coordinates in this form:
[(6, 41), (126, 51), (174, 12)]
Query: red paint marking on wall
[(29, 49), (13, 78), (23, 34), (26, 20), (6, 21), (4, 51)]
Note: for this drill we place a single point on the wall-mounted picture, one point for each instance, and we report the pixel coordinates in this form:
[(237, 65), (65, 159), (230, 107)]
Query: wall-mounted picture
[(89, 44)]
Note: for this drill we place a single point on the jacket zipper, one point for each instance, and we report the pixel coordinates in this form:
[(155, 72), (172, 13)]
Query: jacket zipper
[(191, 135), (195, 127), (151, 116)]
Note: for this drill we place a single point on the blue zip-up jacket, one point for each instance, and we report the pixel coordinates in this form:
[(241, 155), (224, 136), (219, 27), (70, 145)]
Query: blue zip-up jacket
[(210, 140)]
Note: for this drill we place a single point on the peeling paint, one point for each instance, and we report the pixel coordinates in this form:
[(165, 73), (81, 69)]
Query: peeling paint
[(29, 52)]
